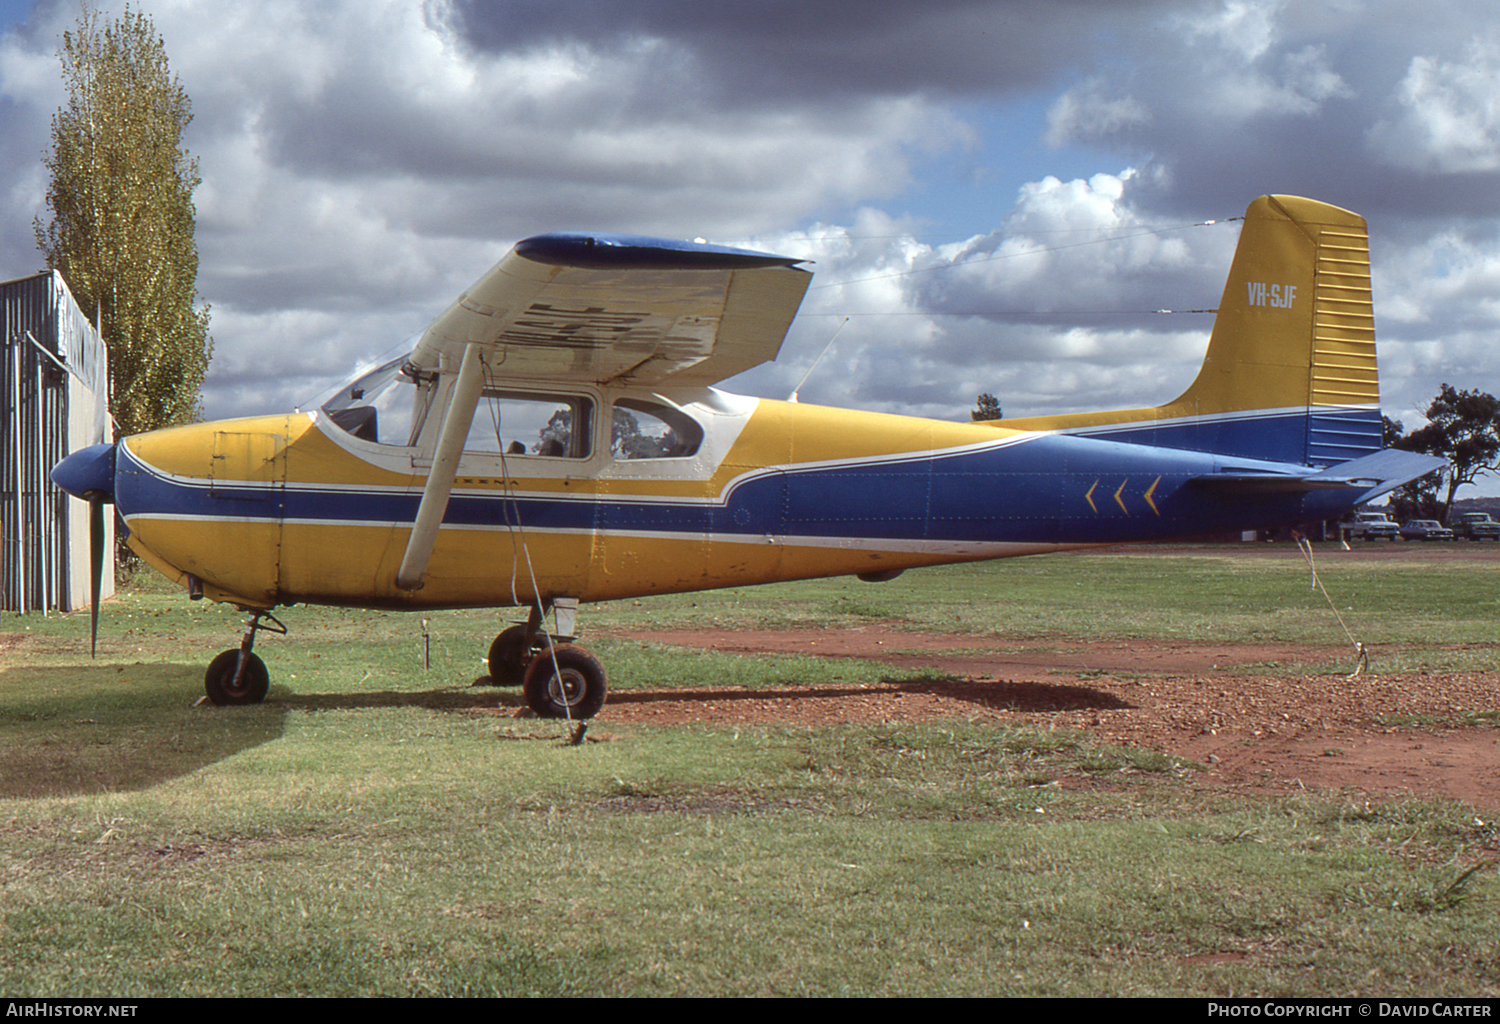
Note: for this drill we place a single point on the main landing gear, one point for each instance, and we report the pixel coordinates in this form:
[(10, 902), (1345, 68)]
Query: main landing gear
[(558, 678), (238, 676)]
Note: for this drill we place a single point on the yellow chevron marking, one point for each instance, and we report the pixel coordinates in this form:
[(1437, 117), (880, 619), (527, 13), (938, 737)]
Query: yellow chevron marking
[(1089, 497), (1150, 491), (1117, 496)]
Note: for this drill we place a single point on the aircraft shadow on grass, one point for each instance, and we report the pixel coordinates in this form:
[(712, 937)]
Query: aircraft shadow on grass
[(1003, 695), (78, 740), (83, 742), (65, 731), (993, 695)]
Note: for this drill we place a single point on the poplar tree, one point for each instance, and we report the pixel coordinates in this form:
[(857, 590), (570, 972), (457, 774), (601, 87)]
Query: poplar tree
[(122, 221)]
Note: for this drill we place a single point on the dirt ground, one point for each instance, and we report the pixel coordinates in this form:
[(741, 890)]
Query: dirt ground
[(1364, 734), (1264, 733), (1256, 733)]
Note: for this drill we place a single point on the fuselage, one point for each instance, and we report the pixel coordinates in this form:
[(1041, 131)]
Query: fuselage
[(736, 491)]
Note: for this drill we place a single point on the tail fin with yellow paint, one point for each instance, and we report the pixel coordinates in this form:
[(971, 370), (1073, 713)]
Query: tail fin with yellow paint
[(1290, 372)]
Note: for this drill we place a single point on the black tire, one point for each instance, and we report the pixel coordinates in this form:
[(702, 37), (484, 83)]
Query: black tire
[(510, 655), (575, 688), (218, 681)]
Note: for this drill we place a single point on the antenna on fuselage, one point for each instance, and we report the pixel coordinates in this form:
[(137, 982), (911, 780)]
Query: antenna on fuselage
[(793, 396)]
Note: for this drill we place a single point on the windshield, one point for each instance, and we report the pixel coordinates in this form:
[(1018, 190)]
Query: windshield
[(385, 405)]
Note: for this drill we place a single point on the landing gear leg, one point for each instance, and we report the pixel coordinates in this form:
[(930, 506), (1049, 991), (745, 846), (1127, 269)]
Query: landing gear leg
[(239, 676)]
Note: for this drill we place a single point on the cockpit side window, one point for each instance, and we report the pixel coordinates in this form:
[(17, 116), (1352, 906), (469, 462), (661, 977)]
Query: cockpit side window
[(645, 429), (387, 405), (360, 420), (532, 424)]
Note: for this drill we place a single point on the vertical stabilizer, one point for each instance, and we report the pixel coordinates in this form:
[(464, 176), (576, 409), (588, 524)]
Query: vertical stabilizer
[(1290, 372)]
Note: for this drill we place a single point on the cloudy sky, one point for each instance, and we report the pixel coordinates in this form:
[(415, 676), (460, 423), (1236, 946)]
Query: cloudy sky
[(997, 194)]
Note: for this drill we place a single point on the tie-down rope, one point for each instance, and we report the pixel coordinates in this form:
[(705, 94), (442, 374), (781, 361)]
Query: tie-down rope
[(1362, 659)]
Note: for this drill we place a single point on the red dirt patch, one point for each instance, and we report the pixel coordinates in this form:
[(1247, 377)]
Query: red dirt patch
[(1265, 733)]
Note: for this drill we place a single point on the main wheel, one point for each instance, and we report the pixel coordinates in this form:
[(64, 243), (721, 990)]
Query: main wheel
[(510, 655), (218, 681), (572, 688)]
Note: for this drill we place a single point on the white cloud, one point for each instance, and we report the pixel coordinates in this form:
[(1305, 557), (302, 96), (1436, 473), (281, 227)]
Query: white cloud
[(1086, 113), (1245, 28), (1447, 116), (1236, 72), (358, 158), (364, 161), (1053, 312)]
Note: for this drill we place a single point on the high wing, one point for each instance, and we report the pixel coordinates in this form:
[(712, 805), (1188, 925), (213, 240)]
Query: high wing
[(601, 309), (620, 309)]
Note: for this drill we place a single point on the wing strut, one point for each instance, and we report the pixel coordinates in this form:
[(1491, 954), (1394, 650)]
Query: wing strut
[(444, 468)]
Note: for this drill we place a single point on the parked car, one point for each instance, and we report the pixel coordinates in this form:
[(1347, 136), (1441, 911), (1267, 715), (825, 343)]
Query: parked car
[(1370, 526), (1477, 526), (1426, 529)]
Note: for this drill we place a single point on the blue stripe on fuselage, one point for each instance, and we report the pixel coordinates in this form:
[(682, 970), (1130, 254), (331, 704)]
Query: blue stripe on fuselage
[(1044, 489)]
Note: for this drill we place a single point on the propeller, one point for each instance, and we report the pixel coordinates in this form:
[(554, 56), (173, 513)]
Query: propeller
[(96, 568), (89, 473)]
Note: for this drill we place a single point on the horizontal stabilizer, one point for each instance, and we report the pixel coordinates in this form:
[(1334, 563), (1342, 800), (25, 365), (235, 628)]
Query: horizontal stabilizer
[(1374, 474)]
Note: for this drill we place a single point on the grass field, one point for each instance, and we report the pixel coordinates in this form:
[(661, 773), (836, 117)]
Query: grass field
[(364, 832)]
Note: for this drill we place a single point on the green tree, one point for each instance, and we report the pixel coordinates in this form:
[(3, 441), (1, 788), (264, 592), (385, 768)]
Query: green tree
[(1416, 499), (1464, 428), (1391, 431), (122, 221), (988, 408)]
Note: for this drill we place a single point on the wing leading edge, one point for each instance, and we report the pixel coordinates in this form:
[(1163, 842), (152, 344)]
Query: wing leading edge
[(620, 309)]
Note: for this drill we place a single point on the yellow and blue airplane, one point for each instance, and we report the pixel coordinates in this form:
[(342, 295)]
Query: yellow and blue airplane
[(553, 439)]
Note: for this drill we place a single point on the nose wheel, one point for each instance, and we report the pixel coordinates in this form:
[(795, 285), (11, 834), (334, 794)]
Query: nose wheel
[(238, 675), (226, 682)]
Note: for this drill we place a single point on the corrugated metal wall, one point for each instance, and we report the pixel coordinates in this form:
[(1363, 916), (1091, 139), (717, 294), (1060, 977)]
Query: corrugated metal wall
[(53, 400)]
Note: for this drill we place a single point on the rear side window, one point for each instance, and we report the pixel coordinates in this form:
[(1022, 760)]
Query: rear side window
[(643, 429)]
